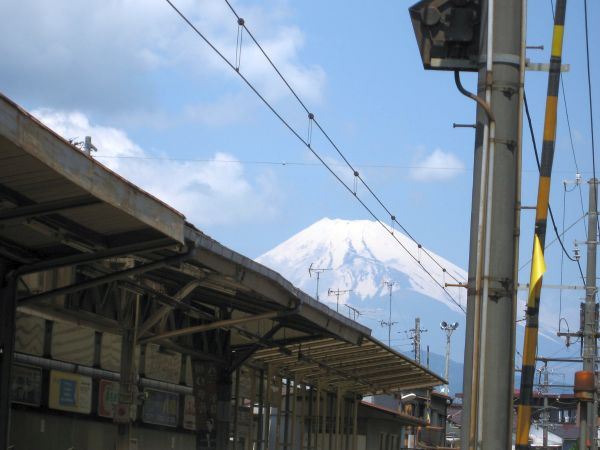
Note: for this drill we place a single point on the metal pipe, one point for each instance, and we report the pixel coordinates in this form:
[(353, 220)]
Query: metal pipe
[(491, 130), (52, 364)]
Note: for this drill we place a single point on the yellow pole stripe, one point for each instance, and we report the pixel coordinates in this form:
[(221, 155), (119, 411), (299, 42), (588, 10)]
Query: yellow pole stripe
[(550, 123), (543, 198), (557, 40), (522, 437)]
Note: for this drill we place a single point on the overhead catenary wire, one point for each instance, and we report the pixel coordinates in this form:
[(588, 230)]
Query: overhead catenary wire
[(589, 80), (284, 163), (525, 264), (590, 102), (312, 119), (537, 159), (310, 148)]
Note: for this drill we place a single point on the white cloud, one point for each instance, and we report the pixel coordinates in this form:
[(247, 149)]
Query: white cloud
[(215, 192), (438, 165), (108, 55)]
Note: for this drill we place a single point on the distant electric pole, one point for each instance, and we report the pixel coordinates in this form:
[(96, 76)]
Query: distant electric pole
[(448, 328), (545, 416), (415, 336), (337, 294), (390, 285), (318, 271)]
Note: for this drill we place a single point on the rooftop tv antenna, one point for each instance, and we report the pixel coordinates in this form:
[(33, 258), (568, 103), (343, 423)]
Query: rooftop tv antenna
[(318, 271), (352, 310), (337, 294)]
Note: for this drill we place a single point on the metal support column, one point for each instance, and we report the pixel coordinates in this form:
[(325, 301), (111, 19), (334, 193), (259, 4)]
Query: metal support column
[(355, 424), (128, 311), (295, 393), (261, 411), (338, 410), (311, 419), (250, 431), (303, 407), (236, 410), (8, 309), (277, 440), (489, 340), (267, 414), (223, 409), (286, 417)]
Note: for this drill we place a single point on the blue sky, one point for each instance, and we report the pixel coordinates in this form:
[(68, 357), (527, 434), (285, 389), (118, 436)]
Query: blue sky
[(132, 74)]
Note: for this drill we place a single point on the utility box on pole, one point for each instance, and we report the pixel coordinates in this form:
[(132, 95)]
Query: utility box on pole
[(447, 33)]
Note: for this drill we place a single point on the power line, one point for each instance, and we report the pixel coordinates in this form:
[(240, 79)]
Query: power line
[(297, 163), (333, 144), (537, 159), (564, 95), (308, 145), (555, 239), (276, 163), (589, 80)]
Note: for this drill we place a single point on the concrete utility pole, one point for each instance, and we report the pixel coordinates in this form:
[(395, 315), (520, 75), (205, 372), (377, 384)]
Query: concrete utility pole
[(490, 335), (545, 414), (590, 325)]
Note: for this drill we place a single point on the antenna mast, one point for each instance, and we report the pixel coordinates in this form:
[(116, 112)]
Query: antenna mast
[(318, 271)]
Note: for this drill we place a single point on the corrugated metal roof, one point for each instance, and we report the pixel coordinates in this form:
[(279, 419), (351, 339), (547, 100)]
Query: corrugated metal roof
[(368, 368)]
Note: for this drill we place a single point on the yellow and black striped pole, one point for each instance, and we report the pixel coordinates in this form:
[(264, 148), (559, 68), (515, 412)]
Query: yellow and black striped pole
[(537, 265)]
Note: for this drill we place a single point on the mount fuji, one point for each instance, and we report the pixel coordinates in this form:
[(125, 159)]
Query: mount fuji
[(360, 256)]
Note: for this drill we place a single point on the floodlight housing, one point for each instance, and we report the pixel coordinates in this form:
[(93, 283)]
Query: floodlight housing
[(448, 33)]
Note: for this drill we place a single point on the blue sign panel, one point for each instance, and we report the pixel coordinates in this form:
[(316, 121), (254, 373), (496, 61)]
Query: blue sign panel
[(161, 408)]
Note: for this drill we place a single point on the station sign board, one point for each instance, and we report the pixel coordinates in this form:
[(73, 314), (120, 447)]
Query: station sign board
[(161, 408), (108, 399), (26, 385), (70, 392)]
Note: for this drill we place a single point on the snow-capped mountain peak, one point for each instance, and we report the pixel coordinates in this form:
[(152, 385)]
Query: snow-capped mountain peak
[(361, 256)]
